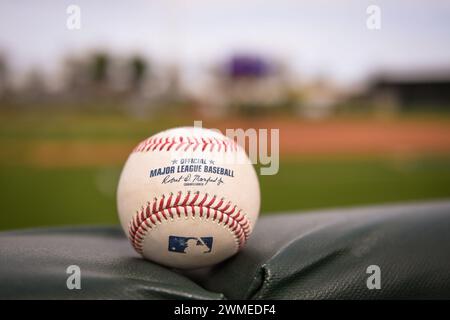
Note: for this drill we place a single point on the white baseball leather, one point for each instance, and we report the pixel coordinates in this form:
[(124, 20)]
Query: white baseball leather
[(188, 215)]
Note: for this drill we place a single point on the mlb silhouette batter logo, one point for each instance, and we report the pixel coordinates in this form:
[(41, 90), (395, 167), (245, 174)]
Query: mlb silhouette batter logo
[(190, 244)]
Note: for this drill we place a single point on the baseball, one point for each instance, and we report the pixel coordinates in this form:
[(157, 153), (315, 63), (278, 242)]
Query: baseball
[(188, 197)]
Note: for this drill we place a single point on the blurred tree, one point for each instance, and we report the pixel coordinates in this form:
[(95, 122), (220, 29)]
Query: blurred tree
[(88, 77), (4, 76), (98, 69), (138, 69)]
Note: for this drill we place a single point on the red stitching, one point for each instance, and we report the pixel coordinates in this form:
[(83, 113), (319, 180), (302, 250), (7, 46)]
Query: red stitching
[(166, 144), (158, 211)]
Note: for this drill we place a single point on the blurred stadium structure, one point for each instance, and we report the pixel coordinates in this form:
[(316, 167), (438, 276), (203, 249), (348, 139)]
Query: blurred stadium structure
[(426, 90), (242, 84), (224, 57)]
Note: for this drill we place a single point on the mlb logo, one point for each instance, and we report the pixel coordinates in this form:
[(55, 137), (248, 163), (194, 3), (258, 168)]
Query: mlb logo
[(190, 245)]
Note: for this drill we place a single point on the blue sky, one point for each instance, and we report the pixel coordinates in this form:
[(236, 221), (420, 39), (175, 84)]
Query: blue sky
[(315, 38)]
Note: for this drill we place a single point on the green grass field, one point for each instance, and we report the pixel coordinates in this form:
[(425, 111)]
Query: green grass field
[(33, 194), (67, 196)]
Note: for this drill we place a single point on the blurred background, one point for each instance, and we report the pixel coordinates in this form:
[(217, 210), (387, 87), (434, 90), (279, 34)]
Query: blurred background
[(363, 113)]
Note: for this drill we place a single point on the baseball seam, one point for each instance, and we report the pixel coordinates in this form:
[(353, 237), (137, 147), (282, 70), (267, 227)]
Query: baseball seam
[(191, 205), (185, 144)]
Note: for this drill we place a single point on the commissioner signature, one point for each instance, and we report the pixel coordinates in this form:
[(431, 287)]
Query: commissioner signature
[(196, 179)]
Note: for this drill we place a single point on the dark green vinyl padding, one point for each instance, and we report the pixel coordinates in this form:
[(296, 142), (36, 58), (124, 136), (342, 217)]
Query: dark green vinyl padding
[(310, 255)]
